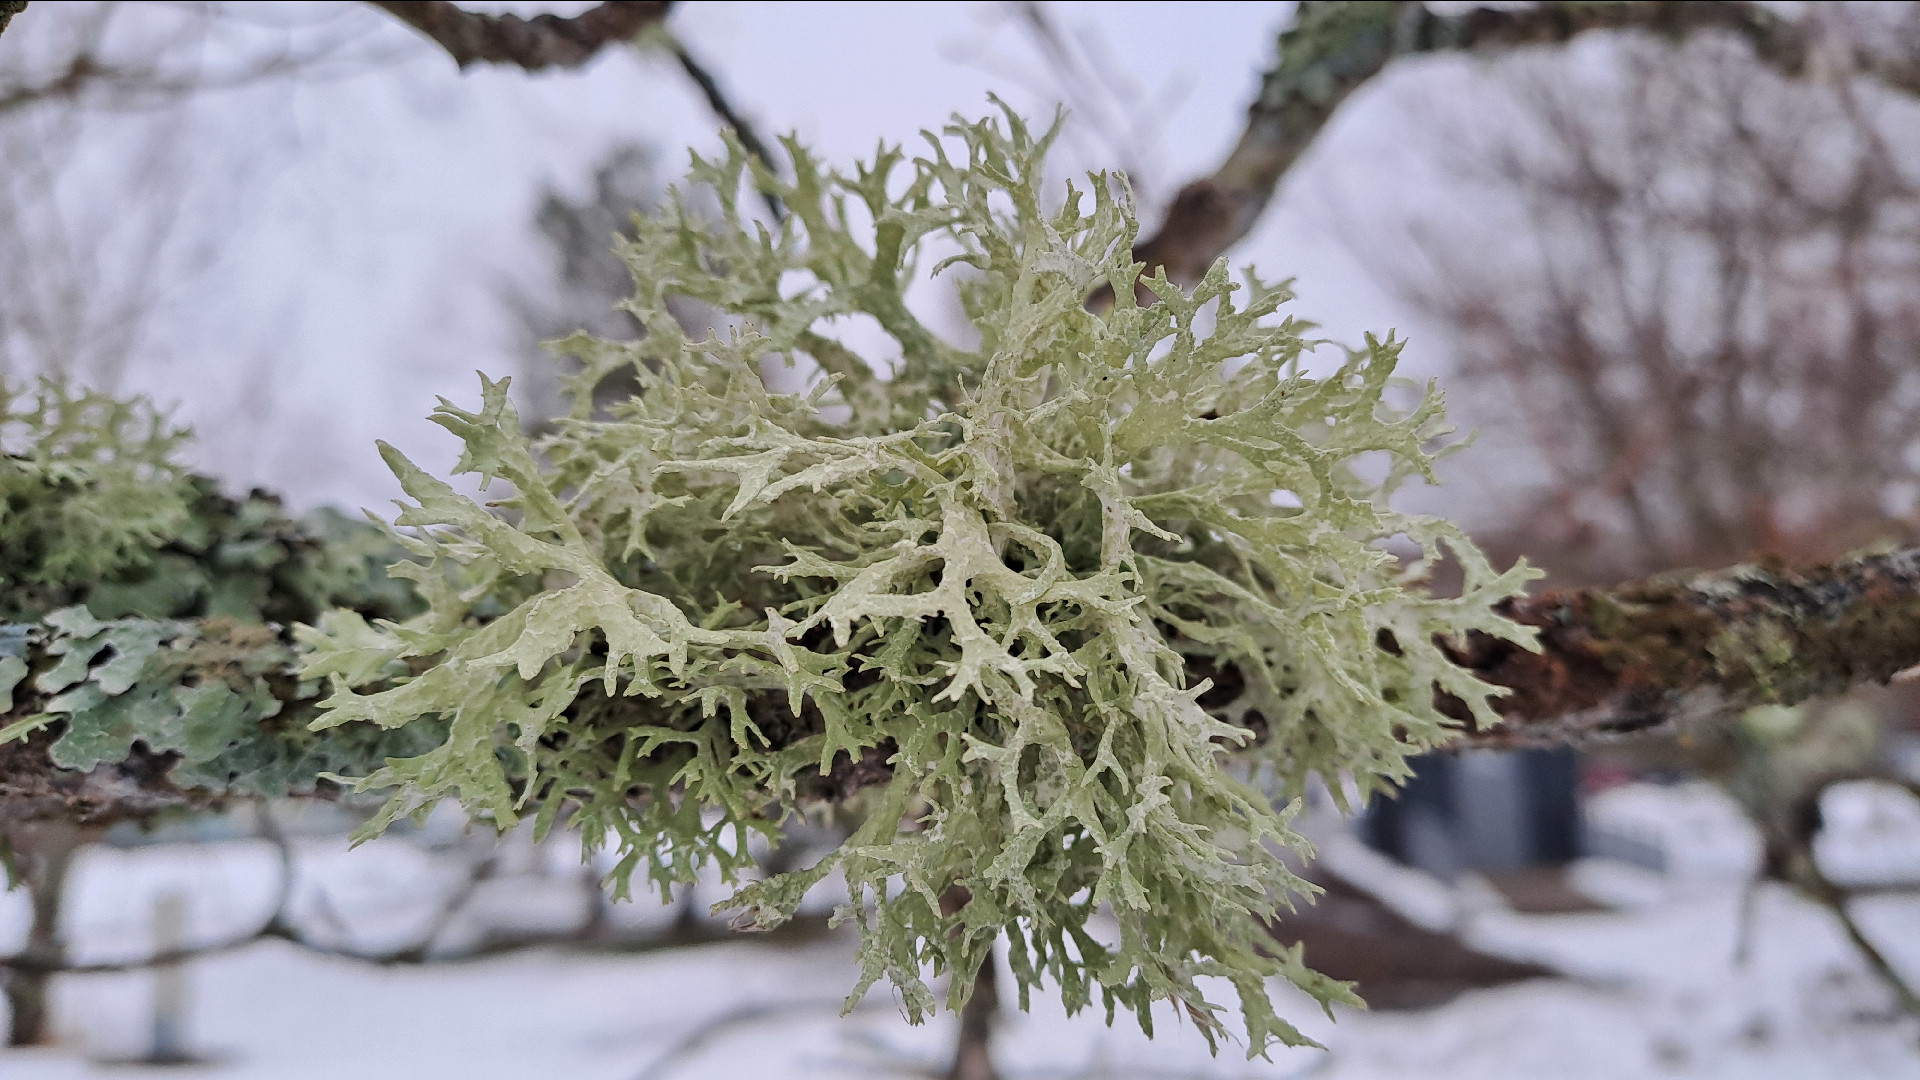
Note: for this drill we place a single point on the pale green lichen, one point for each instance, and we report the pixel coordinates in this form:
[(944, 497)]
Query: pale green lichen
[(993, 579), (142, 596), (88, 489)]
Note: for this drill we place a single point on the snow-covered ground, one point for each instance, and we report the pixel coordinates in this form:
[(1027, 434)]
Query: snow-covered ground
[(1656, 987)]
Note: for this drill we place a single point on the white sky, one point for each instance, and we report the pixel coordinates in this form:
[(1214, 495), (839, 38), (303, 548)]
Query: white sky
[(362, 266)]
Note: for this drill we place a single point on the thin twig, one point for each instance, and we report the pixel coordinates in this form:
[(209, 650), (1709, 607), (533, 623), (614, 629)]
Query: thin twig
[(742, 129), (1792, 858), (1903, 991)]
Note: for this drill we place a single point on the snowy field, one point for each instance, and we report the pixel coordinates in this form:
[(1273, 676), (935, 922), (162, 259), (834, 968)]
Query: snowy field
[(1656, 986)]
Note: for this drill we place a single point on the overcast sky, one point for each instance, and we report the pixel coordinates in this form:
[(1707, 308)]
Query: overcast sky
[(360, 266)]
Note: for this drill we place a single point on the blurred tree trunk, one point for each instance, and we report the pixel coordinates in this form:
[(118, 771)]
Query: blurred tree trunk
[(972, 1054), (42, 855)]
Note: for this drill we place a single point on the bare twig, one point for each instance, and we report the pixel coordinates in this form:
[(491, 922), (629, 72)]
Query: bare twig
[(1903, 992), (1108, 111), (1788, 833), (543, 41), (200, 52)]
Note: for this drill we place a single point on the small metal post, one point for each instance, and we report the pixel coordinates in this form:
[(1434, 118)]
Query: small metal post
[(169, 1044)]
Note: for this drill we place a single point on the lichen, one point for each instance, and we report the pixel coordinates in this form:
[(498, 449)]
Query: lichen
[(89, 489), (986, 580)]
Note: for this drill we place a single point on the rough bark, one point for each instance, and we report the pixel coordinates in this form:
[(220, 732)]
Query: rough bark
[(1333, 48), (32, 788), (1683, 647), (541, 42)]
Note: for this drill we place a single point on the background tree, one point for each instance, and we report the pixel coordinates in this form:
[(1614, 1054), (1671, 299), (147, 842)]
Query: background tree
[(1707, 344)]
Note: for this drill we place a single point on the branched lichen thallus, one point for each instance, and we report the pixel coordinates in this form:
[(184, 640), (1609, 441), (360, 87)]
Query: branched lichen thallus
[(975, 586)]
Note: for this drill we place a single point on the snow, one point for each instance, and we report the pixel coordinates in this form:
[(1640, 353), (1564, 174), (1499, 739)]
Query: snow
[(1659, 994), (1691, 831), (1872, 835), (1656, 986)]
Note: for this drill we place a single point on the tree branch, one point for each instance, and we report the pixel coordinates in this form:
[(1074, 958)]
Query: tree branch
[(550, 41), (1682, 647), (8, 9), (33, 788), (535, 44), (1335, 46), (1661, 653)]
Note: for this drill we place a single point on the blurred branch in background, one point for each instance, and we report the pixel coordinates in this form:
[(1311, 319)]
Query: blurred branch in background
[(552, 41), (102, 214), (1709, 332), (1689, 285), (1112, 122), (455, 897), (1782, 766), (730, 115), (92, 56), (588, 282), (535, 44), (442, 937), (1333, 48)]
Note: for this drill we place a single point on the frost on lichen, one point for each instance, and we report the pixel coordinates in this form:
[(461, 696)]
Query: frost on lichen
[(1059, 608)]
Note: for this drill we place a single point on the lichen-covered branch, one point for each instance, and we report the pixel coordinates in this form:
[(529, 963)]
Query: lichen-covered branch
[(1640, 656), (1335, 46), (1046, 580), (1629, 660), (33, 788), (541, 42)]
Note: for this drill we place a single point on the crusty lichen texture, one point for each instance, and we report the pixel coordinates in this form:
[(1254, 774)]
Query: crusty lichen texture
[(973, 595)]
